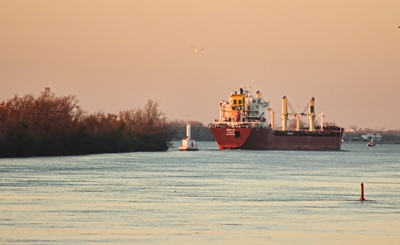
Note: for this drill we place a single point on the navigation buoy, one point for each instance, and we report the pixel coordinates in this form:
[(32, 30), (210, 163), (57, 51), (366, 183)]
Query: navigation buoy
[(362, 192)]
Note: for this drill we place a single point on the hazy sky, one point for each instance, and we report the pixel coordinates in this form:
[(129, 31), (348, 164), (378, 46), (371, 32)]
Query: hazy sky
[(115, 55)]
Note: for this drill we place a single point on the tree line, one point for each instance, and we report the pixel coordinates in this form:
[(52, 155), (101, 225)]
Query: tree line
[(54, 126), (390, 136), (199, 131)]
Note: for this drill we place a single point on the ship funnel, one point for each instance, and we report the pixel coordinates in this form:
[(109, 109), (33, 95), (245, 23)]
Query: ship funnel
[(258, 94), (284, 113), (311, 114)]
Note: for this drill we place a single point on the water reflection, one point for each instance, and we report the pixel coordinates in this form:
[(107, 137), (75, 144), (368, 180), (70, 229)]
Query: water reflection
[(204, 197)]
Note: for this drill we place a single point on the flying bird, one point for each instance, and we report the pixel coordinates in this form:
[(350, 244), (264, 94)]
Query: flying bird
[(197, 50)]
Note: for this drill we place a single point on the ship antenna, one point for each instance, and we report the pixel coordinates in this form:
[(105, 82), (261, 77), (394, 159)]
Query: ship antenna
[(262, 97)]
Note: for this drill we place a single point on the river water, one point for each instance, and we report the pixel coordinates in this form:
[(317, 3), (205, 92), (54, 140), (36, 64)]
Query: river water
[(204, 197)]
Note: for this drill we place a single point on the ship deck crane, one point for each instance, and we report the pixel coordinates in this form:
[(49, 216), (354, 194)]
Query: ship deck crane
[(285, 114)]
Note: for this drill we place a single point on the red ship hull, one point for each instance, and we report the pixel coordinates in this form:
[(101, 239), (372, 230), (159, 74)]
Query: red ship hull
[(267, 139)]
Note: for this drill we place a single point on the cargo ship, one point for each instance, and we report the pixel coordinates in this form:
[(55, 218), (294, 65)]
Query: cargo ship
[(243, 125)]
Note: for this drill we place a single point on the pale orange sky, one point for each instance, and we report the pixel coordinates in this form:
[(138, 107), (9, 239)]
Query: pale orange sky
[(115, 55)]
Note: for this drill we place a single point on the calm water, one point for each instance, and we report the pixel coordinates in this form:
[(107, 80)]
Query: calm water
[(204, 197)]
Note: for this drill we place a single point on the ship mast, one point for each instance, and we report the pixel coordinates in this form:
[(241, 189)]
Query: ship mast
[(284, 113), (311, 115), (322, 120), (272, 117)]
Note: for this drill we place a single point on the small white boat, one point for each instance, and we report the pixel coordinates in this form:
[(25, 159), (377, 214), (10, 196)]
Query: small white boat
[(371, 143)]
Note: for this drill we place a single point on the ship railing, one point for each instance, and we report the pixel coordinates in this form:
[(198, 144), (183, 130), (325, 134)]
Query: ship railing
[(308, 133), (235, 125)]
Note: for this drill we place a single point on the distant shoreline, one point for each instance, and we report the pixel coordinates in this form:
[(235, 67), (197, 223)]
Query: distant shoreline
[(365, 142)]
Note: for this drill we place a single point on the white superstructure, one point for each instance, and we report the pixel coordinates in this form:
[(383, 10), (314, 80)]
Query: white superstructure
[(243, 110), (373, 137)]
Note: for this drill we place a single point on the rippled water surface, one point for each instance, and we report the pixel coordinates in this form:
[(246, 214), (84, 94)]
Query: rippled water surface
[(204, 197)]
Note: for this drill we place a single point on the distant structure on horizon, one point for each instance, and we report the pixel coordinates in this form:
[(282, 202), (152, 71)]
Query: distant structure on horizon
[(375, 137), (188, 143)]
